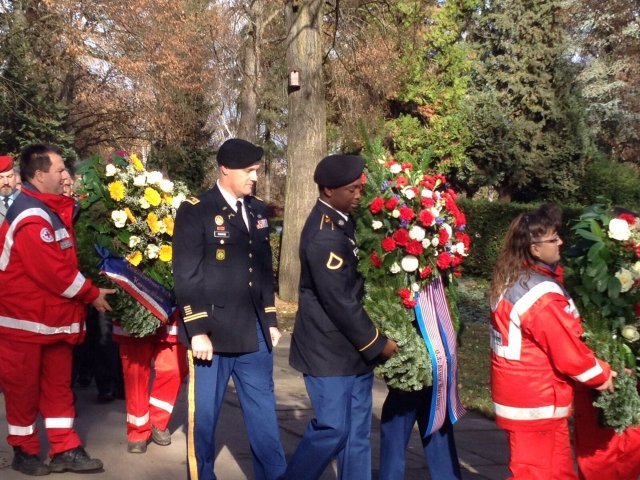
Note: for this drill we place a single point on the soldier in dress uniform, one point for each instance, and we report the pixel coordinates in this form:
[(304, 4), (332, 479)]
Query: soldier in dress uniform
[(8, 185), (335, 344), (225, 290)]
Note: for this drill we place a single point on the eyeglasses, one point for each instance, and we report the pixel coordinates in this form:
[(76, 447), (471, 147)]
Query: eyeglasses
[(551, 240)]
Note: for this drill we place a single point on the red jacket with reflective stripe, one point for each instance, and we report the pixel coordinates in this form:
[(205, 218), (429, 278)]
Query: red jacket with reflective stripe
[(537, 353), (43, 295)]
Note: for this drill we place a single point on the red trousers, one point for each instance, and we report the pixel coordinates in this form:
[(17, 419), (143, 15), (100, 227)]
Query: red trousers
[(36, 378), (146, 408), (541, 455), (602, 454)]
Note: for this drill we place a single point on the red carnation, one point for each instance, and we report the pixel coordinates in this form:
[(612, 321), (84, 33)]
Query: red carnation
[(401, 236), (444, 261), (363, 178), (388, 244), (391, 203), (426, 218), (414, 247), (425, 272), (464, 238), (404, 293), (409, 303), (407, 166), (443, 236), (375, 260), (406, 213), (427, 202), (401, 181), (457, 273), (390, 163), (376, 205), (456, 260), (627, 217), (459, 219), (636, 309)]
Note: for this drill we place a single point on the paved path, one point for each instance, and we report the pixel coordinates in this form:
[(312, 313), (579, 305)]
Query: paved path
[(481, 446)]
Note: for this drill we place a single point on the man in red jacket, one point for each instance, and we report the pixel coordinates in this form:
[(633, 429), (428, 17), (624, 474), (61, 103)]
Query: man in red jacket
[(38, 263)]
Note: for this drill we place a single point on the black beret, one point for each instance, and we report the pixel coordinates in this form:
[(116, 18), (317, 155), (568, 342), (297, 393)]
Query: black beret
[(338, 170), (238, 153)]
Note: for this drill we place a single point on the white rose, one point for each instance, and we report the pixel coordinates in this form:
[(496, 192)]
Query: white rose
[(144, 203), (177, 200), (426, 243), (619, 229), (134, 241), (111, 170), (154, 178), (152, 251), (409, 193), (395, 213), (140, 180), (447, 228), (459, 248), (395, 268), (635, 269), (409, 263), (417, 233), (630, 333), (119, 218), (435, 241), (395, 168), (415, 287), (166, 185), (376, 224), (625, 278), (426, 193)]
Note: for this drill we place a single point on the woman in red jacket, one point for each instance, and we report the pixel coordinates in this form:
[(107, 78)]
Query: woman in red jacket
[(537, 351)]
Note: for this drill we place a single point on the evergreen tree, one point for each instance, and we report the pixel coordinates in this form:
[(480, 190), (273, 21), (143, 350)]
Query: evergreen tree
[(529, 141)]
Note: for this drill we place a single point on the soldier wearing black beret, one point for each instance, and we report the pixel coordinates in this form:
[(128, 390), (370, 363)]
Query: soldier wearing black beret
[(224, 286), (335, 344)]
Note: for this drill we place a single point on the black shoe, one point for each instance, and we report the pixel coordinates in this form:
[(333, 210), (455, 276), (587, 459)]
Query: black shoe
[(106, 397), (137, 447), (161, 437), (75, 460), (28, 464)]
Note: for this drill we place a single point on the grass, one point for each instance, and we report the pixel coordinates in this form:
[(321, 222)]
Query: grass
[(473, 347)]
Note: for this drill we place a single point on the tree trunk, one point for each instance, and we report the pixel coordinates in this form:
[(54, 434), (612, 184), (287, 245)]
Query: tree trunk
[(250, 71), (306, 133)]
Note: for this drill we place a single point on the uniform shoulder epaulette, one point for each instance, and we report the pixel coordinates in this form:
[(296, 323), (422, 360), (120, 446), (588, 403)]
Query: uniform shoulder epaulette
[(326, 221), (193, 200)]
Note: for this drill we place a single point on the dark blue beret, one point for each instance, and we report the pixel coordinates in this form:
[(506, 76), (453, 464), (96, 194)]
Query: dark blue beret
[(338, 170), (238, 153)]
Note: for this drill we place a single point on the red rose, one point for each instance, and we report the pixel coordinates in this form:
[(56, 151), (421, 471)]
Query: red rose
[(391, 203), (443, 236), (375, 260), (627, 217), (376, 205), (426, 218), (425, 272), (388, 244), (401, 236), (444, 261), (406, 213), (414, 247), (401, 181), (404, 293)]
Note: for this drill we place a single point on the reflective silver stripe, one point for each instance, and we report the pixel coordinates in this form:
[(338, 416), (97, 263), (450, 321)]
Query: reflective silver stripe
[(61, 233), (21, 431), (172, 329), (167, 407), (8, 239), (589, 374), (35, 327), (138, 421), (537, 413), (75, 286), (58, 422)]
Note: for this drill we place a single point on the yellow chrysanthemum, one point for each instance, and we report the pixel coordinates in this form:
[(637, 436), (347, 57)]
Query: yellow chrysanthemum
[(154, 224), (168, 222), (135, 258), (167, 198), (136, 162), (166, 253), (130, 215), (152, 196), (117, 190)]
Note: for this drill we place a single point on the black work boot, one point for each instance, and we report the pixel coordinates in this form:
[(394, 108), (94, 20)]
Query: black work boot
[(161, 437), (75, 460), (28, 464)]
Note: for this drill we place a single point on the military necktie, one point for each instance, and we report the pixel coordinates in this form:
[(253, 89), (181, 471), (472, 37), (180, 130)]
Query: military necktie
[(5, 200), (241, 211)]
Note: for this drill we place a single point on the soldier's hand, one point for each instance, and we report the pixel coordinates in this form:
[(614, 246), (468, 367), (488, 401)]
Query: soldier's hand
[(275, 335), (608, 385), (201, 347), (100, 303), (390, 349)]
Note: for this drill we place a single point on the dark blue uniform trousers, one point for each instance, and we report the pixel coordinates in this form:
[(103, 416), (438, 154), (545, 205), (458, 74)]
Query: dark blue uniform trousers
[(253, 378), (399, 413), (342, 428)]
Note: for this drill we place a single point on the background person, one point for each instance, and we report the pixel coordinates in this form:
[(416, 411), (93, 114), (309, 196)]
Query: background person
[(224, 285), (537, 351), (8, 185)]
